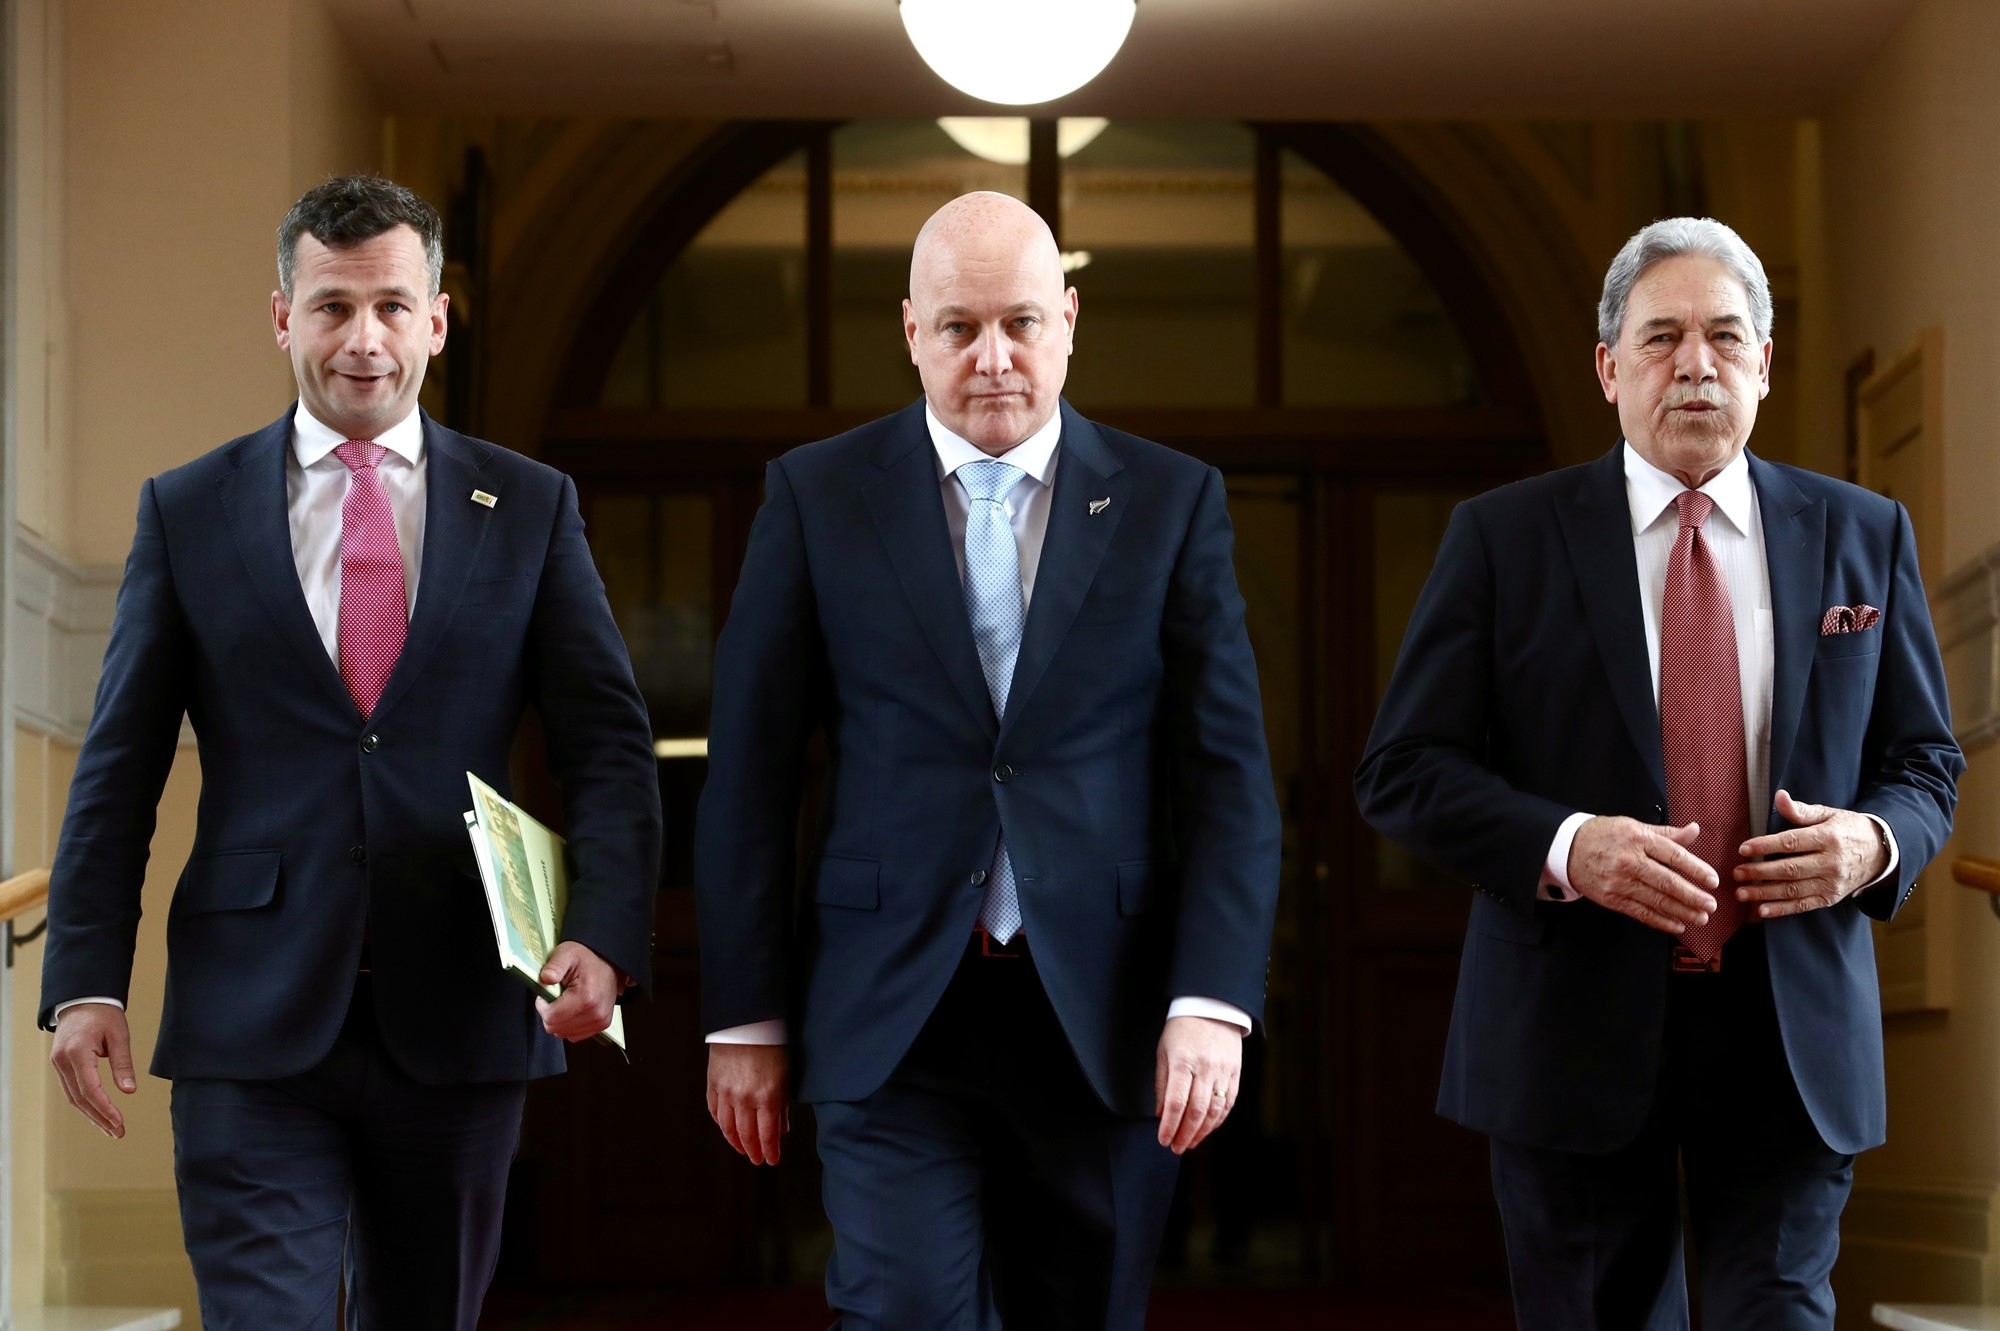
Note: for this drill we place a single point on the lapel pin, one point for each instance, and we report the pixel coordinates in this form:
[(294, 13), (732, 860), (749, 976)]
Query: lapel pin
[(481, 497), (1099, 505)]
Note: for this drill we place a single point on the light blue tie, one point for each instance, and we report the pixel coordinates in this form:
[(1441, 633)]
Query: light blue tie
[(994, 603)]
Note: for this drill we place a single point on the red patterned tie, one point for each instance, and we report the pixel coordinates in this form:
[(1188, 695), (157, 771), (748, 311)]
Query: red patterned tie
[(374, 609), (1701, 718)]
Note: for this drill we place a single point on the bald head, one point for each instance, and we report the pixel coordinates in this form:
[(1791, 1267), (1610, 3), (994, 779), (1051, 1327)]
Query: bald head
[(984, 227), (989, 320)]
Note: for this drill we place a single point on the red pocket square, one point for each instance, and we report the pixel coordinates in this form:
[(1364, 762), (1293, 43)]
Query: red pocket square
[(1848, 619)]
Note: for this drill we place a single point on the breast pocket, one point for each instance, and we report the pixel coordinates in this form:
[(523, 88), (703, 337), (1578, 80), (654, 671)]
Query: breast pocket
[(498, 591), (1116, 605), (1865, 642)]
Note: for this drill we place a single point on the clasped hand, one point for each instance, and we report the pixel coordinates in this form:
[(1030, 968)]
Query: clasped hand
[(1648, 872)]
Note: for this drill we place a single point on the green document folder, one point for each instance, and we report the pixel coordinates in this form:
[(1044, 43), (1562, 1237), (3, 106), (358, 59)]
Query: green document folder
[(527, 889)]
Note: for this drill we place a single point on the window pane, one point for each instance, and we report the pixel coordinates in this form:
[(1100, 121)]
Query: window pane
[(727, 325), (888, 178), (655, 554), (1159, 225), (1363, 327)]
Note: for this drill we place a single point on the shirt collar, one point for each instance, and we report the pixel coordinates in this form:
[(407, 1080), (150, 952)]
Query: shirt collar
[(1651, 492), (1035, 455), (312, 439)]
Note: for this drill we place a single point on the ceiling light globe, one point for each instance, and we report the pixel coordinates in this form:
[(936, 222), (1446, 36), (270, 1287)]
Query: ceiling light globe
[(1017, 52)]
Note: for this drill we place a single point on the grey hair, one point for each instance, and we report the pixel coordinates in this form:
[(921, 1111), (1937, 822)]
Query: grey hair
[(1667, 239), (348, 210)]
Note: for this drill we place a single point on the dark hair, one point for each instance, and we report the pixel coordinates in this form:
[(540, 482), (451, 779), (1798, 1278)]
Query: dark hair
[(350, 209)]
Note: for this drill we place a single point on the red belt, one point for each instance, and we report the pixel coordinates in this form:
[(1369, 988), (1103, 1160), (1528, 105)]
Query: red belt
[(1013, 949), (1687, 963)]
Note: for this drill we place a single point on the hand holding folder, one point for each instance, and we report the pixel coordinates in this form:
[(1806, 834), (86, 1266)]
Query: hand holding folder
[(527, 889)]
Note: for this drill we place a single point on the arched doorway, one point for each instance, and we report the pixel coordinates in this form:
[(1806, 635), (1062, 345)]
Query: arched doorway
[(1281, 300)]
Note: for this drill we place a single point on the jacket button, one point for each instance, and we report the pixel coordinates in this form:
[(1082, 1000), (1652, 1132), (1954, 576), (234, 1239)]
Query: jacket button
[(979, 877), (359, 854), (370, 743), (1003, 773)]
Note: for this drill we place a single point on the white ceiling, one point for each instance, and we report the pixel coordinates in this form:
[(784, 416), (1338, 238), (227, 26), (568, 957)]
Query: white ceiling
[(1279, 59)]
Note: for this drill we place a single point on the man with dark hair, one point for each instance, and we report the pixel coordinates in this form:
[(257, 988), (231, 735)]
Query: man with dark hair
[(1679, 714), (352, 607)]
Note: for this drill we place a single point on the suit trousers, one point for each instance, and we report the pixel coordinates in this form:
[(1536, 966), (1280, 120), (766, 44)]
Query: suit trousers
[(1595, 1242), (349, 1175), (985, 1184)]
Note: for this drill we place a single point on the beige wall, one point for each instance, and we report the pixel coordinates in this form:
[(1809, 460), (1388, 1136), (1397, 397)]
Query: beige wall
[(1910, 194), (161, 144)]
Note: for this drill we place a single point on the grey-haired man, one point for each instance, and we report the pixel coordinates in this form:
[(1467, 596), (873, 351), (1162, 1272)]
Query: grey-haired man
[(1679, 715)]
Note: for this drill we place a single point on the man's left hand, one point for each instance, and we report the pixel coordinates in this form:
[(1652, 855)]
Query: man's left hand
[(1195, 1079), (1829, 855), (590, 991)]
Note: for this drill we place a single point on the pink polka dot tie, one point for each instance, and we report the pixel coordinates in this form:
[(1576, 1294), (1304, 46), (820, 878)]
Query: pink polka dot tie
[(374, 608), (1701, 718)]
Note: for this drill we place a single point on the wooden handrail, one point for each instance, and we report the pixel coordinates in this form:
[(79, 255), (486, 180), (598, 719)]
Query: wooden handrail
[(23, 892), (1977, 873)]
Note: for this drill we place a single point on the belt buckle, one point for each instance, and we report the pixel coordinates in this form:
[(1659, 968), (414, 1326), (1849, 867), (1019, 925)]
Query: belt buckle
[(1687, 963), (989, 948)]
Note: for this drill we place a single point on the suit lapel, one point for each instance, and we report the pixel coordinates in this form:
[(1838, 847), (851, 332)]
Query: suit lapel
[(256, 506), (1795, 555), (908, 510), (1597, 529), (454, 529), (1072, 549)]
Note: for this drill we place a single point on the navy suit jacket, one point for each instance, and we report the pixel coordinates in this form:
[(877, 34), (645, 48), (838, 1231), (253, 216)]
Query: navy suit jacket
[(316, 826), (1523, 694), (1130, 773)]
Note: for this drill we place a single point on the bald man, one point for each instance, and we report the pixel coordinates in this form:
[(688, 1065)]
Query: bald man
[(1036, 909)]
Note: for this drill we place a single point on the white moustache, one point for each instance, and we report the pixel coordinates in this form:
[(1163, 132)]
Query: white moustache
[(1681, 395)]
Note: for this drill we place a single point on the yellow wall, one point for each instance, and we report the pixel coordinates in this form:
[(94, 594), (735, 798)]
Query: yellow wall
[(161, 145), (1910, 195)]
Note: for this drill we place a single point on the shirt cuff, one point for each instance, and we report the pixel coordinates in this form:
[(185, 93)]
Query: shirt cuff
[(1895, 856), (61, 1008), (1212, 1008), (757, 1032), (1555, 871)]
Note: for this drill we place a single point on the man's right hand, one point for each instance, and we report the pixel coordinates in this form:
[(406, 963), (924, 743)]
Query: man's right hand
[(1644, 871), (749, 1098), (84, 1034)]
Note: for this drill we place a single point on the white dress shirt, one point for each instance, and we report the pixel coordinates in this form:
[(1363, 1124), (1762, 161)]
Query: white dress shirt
[(315, 487), (1734, 533), (1027, 506)]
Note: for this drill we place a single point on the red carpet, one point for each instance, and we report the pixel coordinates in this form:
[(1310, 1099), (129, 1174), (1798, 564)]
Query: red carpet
[(1172, 1310)]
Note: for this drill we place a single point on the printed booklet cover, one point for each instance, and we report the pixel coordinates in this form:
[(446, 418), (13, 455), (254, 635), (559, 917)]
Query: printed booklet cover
[(527, 888)]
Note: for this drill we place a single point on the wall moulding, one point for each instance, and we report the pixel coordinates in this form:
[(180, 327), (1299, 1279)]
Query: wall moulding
[(117, 1246), (1967, 608), (1922, 1242), (57, 629)]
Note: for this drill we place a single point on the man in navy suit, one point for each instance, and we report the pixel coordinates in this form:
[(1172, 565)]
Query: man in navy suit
[(352, 607), (1679, 714), (1040, 895)]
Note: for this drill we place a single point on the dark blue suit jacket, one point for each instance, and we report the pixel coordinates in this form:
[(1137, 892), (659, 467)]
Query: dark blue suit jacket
[(1523, 694), (316, 826), (1131, 772)]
